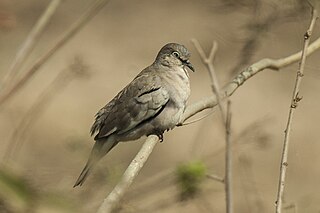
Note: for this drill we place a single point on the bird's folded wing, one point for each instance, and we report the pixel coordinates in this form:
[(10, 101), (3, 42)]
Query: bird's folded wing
[(141, 100)]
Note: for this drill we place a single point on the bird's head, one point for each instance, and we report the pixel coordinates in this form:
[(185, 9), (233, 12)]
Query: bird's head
[(173, 54)]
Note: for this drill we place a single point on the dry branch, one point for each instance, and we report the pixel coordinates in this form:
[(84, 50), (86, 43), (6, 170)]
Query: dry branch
[(117, 193), (30, 42), (88, 14), (208, 61), (228, 163), (131, 172), (294, 104), (215, 177), (230, 88)]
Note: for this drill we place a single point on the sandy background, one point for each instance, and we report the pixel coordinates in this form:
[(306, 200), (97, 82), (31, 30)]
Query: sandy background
[(115, 45)]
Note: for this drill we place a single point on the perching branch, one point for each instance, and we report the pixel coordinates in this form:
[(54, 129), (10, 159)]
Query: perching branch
[(137, 163), (131, 172), (294, 104), (29, 43), (88, 14)]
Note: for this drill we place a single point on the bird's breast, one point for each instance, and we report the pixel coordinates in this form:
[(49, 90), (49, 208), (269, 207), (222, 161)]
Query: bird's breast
[(178, 86)]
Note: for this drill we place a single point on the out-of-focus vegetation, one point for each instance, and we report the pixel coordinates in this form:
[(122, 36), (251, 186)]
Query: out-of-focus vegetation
[(17, 195), (189, 179)]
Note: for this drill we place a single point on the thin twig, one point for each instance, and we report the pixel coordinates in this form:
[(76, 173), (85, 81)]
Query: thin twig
[(208, 62), (88, 14), (294, 104), (29, 43), (131, 172), (198, 119), (241, 78), (228, 162), (216, 178)]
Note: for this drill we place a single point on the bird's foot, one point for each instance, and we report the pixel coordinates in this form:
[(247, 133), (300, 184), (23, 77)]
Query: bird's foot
[(160, 135)]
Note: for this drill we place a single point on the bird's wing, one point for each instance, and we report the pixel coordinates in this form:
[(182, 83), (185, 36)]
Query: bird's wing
[(142, 99)]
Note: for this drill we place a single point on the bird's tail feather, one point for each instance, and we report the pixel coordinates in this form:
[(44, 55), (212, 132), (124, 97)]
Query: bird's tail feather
[(83, 175), (100, 149)]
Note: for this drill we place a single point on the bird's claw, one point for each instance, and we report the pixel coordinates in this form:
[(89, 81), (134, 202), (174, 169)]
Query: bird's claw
[(160, 137)]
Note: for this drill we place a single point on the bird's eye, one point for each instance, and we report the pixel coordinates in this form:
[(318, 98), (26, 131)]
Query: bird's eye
[(176, 54)]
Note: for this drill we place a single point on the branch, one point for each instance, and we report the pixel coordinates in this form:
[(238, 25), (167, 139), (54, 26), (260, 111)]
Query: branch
[(294, 104), (131, 172), (89, 13), (216, 178), (230, 88), (208, 62), (228, 162), (136, 164), (30, 42), (226, 117)]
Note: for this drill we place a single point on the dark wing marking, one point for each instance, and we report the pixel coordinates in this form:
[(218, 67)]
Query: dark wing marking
[(142, 99)]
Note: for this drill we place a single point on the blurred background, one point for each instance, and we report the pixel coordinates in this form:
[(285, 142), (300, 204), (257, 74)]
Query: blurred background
[(44, 127)]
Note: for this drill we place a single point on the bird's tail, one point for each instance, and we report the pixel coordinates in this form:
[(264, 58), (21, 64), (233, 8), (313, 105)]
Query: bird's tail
[(83, 175), (100, 149)]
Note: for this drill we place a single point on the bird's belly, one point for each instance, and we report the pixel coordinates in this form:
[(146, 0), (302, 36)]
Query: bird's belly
[(168, 118)]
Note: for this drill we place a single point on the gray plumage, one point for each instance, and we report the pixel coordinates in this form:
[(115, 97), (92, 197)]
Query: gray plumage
[(152, 103)]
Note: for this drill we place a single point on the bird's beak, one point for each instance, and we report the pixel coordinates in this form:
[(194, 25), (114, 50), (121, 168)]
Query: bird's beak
[(188, 64)]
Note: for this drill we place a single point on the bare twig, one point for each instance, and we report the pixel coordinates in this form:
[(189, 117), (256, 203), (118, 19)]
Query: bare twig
[(294, 104), (131, 172), (230, 88), (89, 13), (208, 61), (198, 119), (30, 42), (228, 162), (216, 178)]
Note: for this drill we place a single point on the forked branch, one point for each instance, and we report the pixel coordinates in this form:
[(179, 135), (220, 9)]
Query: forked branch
[(226, 117)]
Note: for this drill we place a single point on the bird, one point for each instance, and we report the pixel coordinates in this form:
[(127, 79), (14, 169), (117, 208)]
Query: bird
[(152, 103)]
